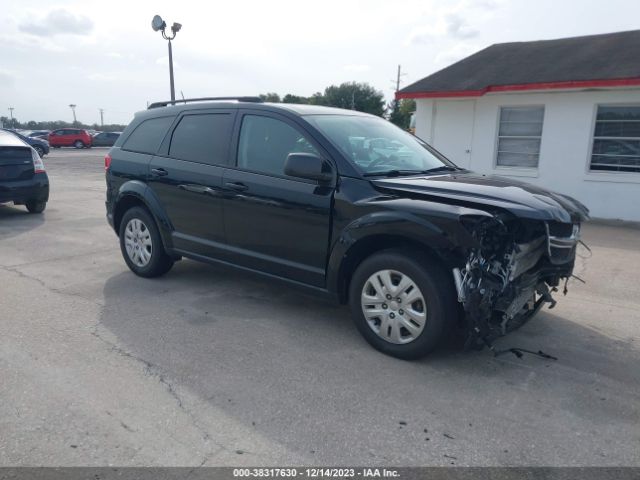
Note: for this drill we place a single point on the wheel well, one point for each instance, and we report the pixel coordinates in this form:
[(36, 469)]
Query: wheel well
[(368, 246), (125, 203)]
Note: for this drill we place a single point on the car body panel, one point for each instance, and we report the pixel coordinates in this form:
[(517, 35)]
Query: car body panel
[(520, 198), (105, 139), (19, 182), (66, 137)]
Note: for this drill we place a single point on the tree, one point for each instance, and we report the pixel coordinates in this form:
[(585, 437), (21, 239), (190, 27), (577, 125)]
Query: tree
[(401, 111), (289, 98), (355, 96), (270, 97)]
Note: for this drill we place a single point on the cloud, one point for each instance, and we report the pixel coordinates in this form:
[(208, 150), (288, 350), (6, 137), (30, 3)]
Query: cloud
[(357, 68), (458, 28), (58, 22), (451, 25)]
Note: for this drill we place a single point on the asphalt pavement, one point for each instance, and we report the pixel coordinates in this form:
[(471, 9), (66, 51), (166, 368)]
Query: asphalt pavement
[(207, 366)]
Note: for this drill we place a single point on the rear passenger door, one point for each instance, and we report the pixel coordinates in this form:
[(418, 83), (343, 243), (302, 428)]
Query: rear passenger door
[(186, 175)]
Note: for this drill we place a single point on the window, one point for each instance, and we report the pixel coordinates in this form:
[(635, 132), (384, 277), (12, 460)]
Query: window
[(147, 136), (202, 138), (375, 145), (519, 136), (616, 140), (266, 142)]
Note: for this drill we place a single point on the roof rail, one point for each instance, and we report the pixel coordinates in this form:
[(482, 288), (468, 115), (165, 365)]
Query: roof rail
[(203, 99)]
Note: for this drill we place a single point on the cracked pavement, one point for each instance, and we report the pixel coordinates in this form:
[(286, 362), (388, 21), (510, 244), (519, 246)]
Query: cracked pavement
[(214, 367)]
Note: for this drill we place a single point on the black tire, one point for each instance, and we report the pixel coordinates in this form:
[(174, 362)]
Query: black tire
[(78, 144), (33, 206), (159, 263), (439, 296), (40, 150)]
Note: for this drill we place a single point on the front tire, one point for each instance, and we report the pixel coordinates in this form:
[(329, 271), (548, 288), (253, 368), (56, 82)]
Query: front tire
[(141, 244), (402, 303), (34, 206)]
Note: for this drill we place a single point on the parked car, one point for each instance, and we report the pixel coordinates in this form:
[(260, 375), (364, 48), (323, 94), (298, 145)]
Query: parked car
[(70, 137), (105, 139), (39, 145), (414, 244), (39, 133), (23, 179)]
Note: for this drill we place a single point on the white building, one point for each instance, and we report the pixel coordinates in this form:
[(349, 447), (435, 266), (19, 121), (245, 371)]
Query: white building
[(562, 114)]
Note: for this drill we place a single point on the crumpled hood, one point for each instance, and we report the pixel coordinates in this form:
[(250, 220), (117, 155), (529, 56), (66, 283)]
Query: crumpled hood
[(522, 199)]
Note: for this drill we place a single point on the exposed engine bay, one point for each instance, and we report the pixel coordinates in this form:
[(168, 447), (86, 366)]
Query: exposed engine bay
[(511, 273)]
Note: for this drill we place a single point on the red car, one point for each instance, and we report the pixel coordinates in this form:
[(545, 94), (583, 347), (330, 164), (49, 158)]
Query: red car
[(70, 137)]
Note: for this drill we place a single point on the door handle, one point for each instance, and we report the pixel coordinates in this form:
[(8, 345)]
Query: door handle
[(198, 189), (237, 186), (159, 172)]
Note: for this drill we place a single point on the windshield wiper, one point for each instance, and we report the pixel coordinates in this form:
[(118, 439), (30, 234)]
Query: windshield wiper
[(397, 173), (442, 168)]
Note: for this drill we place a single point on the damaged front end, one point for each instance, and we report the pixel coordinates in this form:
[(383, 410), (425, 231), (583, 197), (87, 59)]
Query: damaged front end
[(510, 272)]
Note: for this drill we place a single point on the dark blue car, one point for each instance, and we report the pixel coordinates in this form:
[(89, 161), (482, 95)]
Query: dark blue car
[(39, 145)]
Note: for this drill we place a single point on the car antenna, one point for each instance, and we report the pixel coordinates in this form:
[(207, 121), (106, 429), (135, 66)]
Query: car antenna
[(182, 96)]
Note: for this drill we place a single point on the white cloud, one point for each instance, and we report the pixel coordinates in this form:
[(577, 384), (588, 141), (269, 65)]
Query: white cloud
[(58, 22), (457, 27)]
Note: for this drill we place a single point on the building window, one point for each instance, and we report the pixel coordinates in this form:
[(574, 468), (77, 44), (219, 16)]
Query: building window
[(616, 140), (519, 136)]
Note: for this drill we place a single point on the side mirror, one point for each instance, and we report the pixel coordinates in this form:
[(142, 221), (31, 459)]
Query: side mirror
[(309, 166)]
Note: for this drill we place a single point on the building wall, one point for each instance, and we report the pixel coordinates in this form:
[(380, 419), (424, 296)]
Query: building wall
[(567, 138)]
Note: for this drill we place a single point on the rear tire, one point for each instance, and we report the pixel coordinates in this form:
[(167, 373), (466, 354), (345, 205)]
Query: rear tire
[(78, 144), (40, 150), (34, 206), (407, 313), (141, 244)]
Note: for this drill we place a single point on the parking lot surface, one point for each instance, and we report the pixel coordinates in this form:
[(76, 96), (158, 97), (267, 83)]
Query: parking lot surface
[(207, 366)]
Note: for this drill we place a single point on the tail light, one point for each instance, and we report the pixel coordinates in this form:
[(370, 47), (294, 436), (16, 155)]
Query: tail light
[(107, 161), (38, 164)]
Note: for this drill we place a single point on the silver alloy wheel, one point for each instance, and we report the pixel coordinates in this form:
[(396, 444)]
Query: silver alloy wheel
[(137, 242), (393, 306)]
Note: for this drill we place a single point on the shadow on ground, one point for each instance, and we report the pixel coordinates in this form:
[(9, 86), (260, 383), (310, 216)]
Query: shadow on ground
[(295, 369)]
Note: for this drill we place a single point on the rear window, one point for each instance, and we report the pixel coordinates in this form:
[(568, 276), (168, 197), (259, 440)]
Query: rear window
[(13, 155), (147, 136), (202, 138)]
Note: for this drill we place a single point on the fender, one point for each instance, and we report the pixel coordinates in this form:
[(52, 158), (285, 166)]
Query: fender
[(139, 190), (439, 229)]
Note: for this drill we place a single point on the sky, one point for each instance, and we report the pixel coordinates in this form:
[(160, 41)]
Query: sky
[(104, 55)]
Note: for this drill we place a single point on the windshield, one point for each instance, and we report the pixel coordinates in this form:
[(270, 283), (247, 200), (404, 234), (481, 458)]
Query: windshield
[(377, 147)]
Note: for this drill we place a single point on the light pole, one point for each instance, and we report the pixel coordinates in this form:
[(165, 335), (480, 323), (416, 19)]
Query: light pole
[(72, 106), (101, 117), (11, 114), (159, 25)]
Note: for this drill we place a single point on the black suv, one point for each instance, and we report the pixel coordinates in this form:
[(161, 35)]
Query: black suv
[(343, 204)]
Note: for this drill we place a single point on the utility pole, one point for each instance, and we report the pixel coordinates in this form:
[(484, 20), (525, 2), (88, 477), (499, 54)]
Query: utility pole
[(102, 117), (11, 114), (72, 106)]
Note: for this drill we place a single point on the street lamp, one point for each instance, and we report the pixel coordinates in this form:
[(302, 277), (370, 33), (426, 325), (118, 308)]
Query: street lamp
[(159, 25), (72, 106), (11, 113)]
